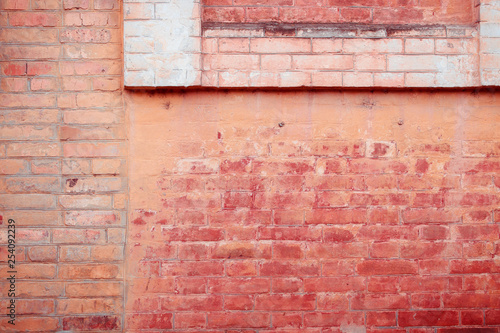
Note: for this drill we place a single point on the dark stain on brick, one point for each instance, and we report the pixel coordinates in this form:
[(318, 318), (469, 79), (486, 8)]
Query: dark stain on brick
[(72, 182)]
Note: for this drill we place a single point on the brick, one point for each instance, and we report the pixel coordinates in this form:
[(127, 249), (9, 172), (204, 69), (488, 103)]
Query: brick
[(357, 79), (13, 167), (78, 236), (328, 319), (190, 320), (34, 271), (76, 4), (322, 62), (92, 322), (242, 319), (309, 15), (88, 306), (32, 201), (370, 62), (384, 250), (381, 318), (383, 301), (51, 167), (491, 317), (46, 4), (387, 267), (280, 45), (428, 318), (92, 149), (261, 14), (241, 269), (334, 284), (276, 62), (94, 289), (14, 84), (424, 283), (374, 166), (33, 149), (323, 45), (286, 320), (28, 323), (85, 201), (40, 289), (223, 14), (239, 285), (42, 253), (430, 215), (90, 271), (106, 4), (33, 184), (201, 268), (420, 45), (283, 268), (76, 167), (192, 303), (433, 63), (285, 302), (15, 4), (356, 15), (33, 19), (138, 11)]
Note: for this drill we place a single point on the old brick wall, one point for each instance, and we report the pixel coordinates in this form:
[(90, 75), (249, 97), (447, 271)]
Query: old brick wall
[(340, 11), (62, 163), (370, 211), (362, 212)]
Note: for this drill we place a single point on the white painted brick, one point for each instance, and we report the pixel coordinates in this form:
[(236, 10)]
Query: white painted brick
[(419, 45), (408, 62), (141, 28), (139, 61), (420, 80), (139, 45), (490, 30), (139, 78), (490, 45), (138, 11), (457, 79)]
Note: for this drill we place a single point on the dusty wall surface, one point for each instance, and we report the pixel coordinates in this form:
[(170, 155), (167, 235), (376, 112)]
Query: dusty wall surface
[(322, 211), (362, 211), (62, 164)]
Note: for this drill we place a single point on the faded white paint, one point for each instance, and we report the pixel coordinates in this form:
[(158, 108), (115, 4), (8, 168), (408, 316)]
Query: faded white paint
[(163, 50)]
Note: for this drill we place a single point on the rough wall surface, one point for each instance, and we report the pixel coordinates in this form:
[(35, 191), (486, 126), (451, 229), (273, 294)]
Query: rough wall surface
[(351, 56), (340, 11), (320, 43), (314, 212), (278, 211), (62, 163)]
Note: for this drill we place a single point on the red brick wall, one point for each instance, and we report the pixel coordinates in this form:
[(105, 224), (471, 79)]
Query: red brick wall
[(313, 212), (374, 210), (340, 11), (62, 163)]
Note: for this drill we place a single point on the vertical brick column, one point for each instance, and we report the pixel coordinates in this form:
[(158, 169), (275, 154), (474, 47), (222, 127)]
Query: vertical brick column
[(490, 42), (62, 163), (162, 43)]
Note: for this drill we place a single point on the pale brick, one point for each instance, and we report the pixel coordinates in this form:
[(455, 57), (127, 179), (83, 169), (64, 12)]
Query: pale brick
[(419, 45), (432, 63)]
